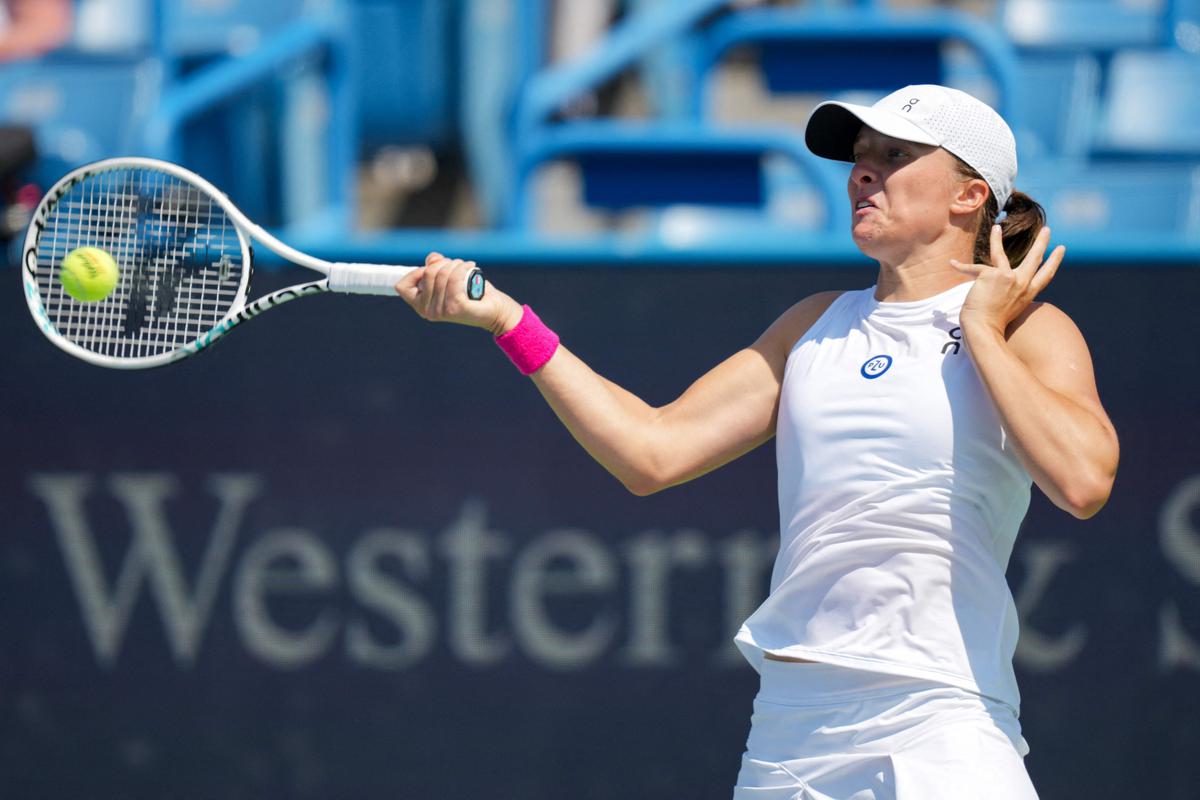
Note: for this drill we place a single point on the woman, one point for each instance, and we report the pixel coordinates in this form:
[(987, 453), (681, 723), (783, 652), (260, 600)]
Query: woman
[(910, 420)]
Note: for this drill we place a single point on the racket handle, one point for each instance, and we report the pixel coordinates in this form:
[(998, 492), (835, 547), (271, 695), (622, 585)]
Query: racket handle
[(381, 279)]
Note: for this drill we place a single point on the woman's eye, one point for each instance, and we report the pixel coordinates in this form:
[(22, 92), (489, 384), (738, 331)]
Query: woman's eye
[(895, 153)]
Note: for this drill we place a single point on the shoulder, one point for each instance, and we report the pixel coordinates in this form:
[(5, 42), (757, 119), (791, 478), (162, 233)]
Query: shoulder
[(792, 324), (1043, 330)]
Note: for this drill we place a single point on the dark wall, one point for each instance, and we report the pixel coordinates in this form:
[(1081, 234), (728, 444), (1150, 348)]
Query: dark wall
[(350, 554)]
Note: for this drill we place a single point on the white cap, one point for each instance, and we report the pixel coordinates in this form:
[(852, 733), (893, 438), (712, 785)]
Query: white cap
[(927, 114)]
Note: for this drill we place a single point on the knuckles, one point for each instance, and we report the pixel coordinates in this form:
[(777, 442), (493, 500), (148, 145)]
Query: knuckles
[(435, 299)]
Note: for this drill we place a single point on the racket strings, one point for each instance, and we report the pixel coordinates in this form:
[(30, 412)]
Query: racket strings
[(180, 262)]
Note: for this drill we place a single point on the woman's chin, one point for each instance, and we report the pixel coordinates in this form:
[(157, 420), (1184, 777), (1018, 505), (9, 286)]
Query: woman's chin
[(870, 243), (864, 236)]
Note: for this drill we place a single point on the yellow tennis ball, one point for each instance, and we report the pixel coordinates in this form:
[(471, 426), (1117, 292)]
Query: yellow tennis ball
[(88, 274)]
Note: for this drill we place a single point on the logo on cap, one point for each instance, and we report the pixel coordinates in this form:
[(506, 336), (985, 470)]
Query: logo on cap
[(909, 105)]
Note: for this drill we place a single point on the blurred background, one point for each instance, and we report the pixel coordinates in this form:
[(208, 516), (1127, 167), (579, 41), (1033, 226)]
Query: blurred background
[(350, 554)]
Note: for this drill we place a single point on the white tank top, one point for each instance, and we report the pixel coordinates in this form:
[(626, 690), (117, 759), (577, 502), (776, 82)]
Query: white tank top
[(899, 502)]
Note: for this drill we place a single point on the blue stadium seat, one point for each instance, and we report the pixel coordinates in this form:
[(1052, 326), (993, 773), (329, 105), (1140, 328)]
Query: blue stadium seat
[(1133, 201), (646, 165), (195, 28), (825, 52), (1152, 107), (1059, 100), (274, 128), (1095, 25), (1057, 103), (512, 96), (1183, 23), (114, 27), (409, 70), (236, 143), (81, 109)]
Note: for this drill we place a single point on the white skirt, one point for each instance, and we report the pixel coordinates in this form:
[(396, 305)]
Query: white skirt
[(821, 732)]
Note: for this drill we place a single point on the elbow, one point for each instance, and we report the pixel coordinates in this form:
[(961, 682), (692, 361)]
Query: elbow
[(643, 472), (641, 489), (1084, 500), (647, 478), (1086, 510), (643, 485)]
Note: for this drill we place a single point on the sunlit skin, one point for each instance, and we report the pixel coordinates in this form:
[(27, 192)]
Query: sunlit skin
[(924, 214)]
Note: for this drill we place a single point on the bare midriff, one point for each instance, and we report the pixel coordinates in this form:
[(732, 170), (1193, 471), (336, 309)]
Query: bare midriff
[(790, 660)]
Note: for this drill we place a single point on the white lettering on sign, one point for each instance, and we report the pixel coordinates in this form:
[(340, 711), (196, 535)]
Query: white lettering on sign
[(1037, 651), (151, 557), (565, 599), (1180, 542)]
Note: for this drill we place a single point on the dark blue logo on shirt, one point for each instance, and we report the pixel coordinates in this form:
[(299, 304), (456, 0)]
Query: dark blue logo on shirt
[(876, 366)]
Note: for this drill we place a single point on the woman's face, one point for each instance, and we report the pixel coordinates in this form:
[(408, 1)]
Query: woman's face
[(900, 194)]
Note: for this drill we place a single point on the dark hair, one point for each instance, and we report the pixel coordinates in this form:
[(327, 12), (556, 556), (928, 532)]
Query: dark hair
[(1023, 220)]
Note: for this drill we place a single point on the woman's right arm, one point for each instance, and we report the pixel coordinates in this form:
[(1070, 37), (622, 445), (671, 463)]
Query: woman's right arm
[(727, 412)]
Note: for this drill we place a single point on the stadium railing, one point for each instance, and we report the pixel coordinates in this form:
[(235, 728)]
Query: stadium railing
[(201, 30), (323, 146), (1139, 203), (631, 165)]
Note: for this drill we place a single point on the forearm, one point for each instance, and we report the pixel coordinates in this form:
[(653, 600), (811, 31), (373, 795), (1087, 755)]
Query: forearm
[(610, 423), (1067, 449), (728, 411)]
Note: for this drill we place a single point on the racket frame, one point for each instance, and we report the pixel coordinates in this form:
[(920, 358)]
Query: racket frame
[(375, 279)]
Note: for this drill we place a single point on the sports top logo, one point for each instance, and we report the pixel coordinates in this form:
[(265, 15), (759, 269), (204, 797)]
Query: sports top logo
[(875, 366)]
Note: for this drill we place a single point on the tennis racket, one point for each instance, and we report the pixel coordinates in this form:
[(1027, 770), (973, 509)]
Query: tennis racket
[(184, 256)]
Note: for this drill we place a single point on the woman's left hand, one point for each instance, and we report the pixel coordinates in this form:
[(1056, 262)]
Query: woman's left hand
[(1001, 292)]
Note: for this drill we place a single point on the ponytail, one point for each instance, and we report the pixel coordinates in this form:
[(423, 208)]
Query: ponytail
[(1023, 220)]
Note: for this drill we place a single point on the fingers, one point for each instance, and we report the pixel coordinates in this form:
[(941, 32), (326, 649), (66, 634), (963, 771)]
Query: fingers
[(996, 240), (1037, 251), (1046, 273), (436, 290), (407, 287), (439, 291)]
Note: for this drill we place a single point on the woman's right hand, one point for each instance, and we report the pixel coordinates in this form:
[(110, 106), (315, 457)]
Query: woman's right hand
[(438, 293)]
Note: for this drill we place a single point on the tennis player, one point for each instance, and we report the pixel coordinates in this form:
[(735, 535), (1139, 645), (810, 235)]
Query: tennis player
[(910, 419)]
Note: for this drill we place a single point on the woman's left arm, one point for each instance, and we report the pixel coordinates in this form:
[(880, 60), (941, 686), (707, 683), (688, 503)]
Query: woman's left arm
[(1036, 366)]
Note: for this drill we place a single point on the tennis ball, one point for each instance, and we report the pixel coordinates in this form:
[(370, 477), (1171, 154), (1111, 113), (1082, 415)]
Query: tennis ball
[(88, 274)]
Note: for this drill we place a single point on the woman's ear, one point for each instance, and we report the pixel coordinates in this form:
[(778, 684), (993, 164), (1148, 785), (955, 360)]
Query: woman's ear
[(970, 197)]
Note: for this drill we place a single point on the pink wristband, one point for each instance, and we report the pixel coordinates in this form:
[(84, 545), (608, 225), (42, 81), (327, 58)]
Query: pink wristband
[(529, 345)]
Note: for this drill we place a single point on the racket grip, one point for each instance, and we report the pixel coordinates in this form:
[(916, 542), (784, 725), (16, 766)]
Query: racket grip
[(366, 278), (381, 279)]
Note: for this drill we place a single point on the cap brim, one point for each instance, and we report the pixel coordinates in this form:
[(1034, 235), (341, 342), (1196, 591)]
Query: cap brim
[(833, 126)]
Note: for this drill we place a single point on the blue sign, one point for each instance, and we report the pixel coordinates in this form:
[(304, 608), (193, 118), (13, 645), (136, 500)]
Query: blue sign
[(297, 567)]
